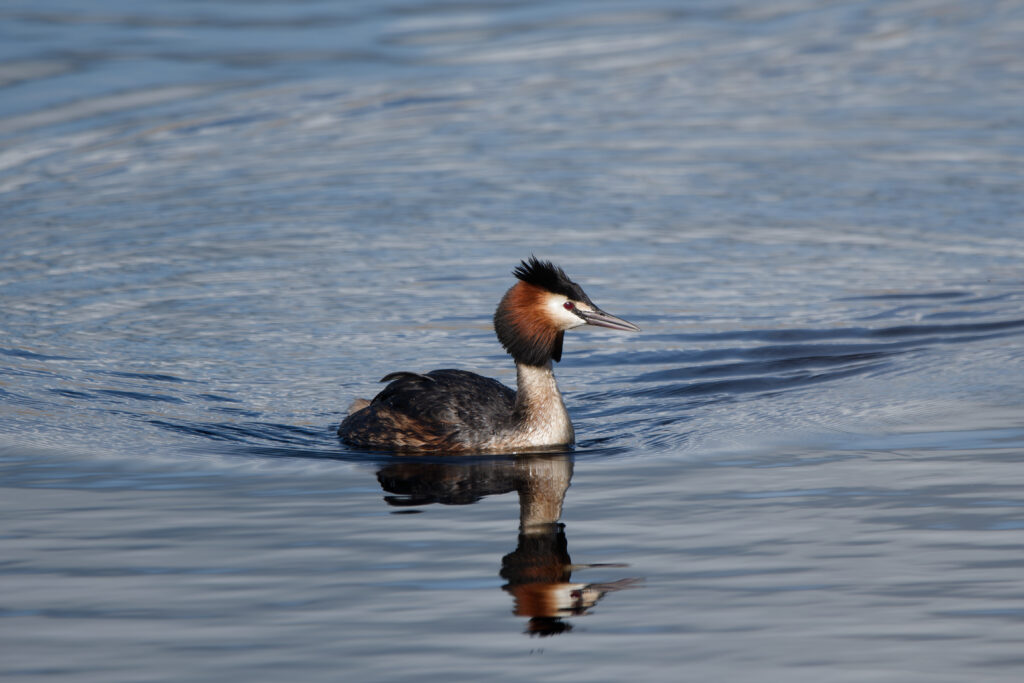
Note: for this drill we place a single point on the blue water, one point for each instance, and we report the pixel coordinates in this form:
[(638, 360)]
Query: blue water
[(220, 222)]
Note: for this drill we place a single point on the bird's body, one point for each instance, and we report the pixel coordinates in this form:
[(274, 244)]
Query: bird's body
[(459, 411)]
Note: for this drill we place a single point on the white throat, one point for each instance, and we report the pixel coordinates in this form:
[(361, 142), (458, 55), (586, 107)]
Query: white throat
[(542, 417)]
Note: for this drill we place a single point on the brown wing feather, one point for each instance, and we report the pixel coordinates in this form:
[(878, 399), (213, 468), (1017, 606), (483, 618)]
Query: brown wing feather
[(450, 410)]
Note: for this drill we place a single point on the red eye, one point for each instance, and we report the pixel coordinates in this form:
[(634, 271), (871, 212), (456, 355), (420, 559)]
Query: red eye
[(568, 305)]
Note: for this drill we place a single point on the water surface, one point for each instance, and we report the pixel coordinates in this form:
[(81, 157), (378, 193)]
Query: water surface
[(221, 222)]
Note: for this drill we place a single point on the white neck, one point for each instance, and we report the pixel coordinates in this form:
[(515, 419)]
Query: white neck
[(540, 413)]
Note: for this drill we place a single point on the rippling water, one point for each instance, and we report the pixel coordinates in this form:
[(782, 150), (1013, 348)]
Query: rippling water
[(223, 221)]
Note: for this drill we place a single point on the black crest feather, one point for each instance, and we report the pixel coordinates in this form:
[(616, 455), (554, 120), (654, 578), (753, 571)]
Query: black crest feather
[(549, 277)]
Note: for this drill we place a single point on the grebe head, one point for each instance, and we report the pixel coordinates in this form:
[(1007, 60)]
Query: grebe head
[(535, 313)]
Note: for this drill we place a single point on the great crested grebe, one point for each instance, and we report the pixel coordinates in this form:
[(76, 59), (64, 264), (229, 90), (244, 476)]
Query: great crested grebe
[(459, 411)]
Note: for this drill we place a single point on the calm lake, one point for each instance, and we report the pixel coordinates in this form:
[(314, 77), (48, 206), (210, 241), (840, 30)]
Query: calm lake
[(221, 222)]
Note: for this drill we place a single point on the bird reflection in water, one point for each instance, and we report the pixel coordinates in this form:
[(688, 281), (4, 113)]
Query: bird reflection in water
[(539, 571)]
